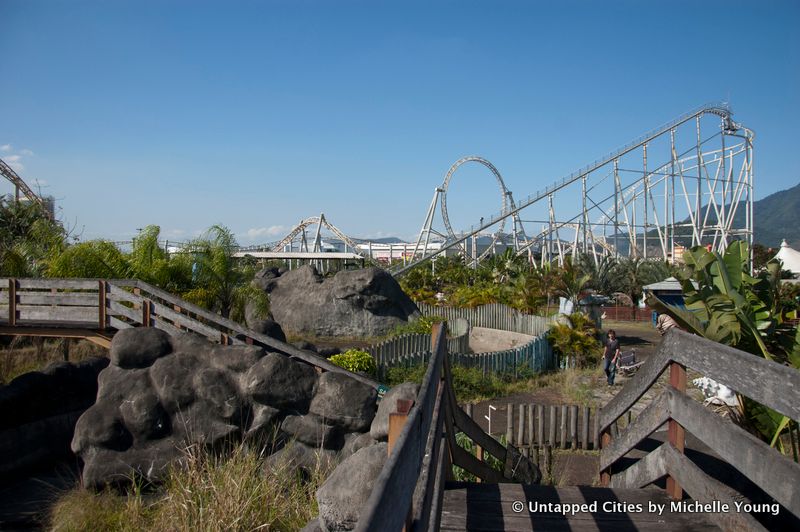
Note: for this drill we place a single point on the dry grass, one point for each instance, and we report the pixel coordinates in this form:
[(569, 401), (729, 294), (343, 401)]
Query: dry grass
[(211, 493), (23, 355), (575, 385)]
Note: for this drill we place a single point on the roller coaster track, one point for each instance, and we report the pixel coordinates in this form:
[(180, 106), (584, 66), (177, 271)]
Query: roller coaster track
[(21, 186), (728, 127)]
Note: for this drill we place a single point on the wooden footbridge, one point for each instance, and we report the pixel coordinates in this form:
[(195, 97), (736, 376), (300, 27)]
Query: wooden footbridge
[(415, 488), (95, 309), (647, 484)]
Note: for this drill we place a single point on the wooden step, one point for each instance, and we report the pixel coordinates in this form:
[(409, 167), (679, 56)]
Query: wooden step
[(488, 507)]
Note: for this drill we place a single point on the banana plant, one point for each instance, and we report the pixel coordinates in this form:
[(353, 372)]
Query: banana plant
[(726, 304)]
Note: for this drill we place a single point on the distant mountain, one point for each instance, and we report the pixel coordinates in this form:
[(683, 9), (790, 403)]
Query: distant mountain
[(776, 217)]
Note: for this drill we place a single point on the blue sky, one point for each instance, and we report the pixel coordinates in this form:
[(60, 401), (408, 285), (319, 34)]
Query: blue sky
[(258, 114)]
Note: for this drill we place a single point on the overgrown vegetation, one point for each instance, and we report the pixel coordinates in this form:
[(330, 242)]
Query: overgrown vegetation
[(21, 354), (575, 341), (204, 272), (730, 306), (211, 493), (422, 325), (356, 361), (512, 280)]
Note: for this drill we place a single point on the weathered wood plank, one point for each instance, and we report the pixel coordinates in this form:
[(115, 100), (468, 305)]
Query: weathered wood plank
[(395, 485), (705, 489), (118, 324), (59, 298), (646, 471), (540, 426), (180, 319), (425, 498), (45, 314), (489, 507), (61, 284), (551, 433), (563, 426), (652, 417), (635, 388), (165, 326), (585, 427), (771, 384), (116, 293), (771, 471), (119, 309)]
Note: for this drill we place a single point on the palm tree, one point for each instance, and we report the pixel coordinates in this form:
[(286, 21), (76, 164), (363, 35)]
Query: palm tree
[(219, 283), (571, 281), (28, 239)]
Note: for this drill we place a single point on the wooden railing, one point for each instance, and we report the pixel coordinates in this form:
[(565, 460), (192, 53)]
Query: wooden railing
[(766, 382), (408, 492), (96, 308)]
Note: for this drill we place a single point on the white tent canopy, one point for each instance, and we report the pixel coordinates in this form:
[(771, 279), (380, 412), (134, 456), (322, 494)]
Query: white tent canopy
[(790, 258)]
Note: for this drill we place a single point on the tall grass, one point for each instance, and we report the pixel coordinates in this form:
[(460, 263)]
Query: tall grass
[(210, 493), (23, 355)]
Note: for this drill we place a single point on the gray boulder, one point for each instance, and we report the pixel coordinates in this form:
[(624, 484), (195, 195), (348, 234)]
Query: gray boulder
[(354, 442), (296, 456), (309, 429), (278, 381), (345, 402), (139, 348), (366, 302), (193, 392), (347, 489), (379, 430)]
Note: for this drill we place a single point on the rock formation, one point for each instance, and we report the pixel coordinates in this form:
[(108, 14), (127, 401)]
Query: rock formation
[(38, 412), (353, 303), (161, 394)]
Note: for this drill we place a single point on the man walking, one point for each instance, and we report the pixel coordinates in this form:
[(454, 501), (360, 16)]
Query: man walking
[(610, 355)]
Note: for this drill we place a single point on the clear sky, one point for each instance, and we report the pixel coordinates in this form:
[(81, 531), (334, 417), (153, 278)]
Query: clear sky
[(258, 114)]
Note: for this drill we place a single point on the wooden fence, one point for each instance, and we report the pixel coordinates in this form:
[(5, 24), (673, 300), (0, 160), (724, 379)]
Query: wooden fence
[(493, 316), (534, 356), (769, 383), (627, 313), (530, 425)]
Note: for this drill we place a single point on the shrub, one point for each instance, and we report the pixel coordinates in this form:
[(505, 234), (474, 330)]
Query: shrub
[(209, 493), (356, 361), (469, 384), (421, 325)]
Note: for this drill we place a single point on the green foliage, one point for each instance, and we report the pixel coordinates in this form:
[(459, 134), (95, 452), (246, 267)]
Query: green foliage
[(422, 325), (28, 239), (211, 492), (219, 283), (731, 307), (466, 443), (469, 384), (95, 258), (356, 361), (577, 338)]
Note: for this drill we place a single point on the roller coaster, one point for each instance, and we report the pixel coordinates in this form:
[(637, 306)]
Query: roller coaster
[(693, 195), (688, 182)]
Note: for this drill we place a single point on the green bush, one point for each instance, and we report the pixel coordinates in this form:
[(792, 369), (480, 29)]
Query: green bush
[(421, 325), (470, 384), (356, 361)]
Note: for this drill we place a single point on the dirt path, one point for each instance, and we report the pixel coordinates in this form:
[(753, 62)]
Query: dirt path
[(483, 340)]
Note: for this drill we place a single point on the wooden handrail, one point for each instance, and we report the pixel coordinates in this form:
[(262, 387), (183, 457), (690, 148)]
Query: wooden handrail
[(767, 382), (152, 303), (748, 374), (414, 475)]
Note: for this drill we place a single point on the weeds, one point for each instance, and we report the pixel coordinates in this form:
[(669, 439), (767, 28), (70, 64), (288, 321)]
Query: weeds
[(208, 493)]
